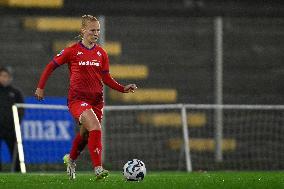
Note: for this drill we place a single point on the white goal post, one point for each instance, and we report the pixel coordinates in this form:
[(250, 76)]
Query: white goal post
[(18, 127), (174, 136)]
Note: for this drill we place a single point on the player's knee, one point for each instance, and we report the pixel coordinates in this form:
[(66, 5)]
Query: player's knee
[(90, 121), (97, 126), (94, 124)]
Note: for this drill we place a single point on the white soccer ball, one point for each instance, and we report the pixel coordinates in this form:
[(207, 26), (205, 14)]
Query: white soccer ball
[(134, 170)]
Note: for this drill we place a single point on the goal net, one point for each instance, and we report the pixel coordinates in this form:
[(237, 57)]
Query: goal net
[(250, 137), (164, 137)]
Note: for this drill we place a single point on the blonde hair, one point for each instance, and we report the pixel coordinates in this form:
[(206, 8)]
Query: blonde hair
[(85, 20)]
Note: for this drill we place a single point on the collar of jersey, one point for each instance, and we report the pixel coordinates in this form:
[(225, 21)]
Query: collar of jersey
[(82, 45)]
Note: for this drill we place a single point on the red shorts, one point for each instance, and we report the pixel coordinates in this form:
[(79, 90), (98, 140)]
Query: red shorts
[(76, 108)]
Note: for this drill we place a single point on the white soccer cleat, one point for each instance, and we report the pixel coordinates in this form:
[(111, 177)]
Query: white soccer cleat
[(101, 173), (70, 167)]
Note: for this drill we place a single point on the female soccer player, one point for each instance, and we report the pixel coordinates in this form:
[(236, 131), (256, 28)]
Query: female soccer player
[(88, 65)]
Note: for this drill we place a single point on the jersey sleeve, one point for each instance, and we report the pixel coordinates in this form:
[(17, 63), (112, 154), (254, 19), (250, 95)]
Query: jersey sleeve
[(105, 63), (49, 68), (109, 81), (62, 57), (106, 77), (59, 59)]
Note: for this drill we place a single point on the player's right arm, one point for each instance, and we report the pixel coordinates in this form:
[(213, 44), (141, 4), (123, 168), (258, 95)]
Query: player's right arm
[(58, 60)]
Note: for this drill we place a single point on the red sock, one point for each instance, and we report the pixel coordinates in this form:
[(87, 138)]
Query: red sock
[(78, 146), (95, 147)]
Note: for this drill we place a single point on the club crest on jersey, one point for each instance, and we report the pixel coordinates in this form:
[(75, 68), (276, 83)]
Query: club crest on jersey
[(61, 52), (98, 53), (89, 63)]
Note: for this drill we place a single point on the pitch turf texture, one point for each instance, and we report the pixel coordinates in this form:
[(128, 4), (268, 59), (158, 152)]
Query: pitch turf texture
[(155, 180)]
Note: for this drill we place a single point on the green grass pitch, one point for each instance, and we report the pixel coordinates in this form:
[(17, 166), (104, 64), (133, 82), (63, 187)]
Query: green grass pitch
[(155, 180)]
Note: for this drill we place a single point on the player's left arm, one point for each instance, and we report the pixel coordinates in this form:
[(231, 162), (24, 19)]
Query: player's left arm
[(109, 81), (112, 83)]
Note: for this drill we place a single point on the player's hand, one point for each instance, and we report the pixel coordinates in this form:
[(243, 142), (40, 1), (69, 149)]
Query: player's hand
[(39, 94), (130, 88)]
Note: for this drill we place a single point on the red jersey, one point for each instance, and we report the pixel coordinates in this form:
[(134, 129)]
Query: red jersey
[(88, 69)]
